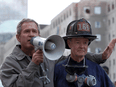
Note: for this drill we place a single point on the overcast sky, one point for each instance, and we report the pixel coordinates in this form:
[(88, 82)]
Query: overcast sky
[(43, 11)]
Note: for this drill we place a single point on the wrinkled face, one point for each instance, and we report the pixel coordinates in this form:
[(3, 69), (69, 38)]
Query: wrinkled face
[(78, 46), (29, 30)]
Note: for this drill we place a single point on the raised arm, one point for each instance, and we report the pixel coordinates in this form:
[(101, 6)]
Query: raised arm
[(108, 51), (102, 57)]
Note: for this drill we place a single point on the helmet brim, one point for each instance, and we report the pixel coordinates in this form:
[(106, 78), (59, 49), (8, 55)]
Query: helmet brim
[(90, 37)]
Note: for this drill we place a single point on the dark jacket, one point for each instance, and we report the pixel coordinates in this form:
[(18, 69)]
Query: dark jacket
[(93, 69)]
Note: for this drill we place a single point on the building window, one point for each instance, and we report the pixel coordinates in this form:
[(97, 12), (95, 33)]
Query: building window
[(67, 14), (64, 30), (112, 6), (113, 35), (113, 61), (53, 25), (61, 18), (114, 76), (98, 50), (109, 22), (87, 10), (58, 31), (56, 23), (70, 12), (109, 37), (110, 75), (0, 51), (113, 20), (108, 8), (98, 37), (58, 20), (115, 3), (114, 49), (110, 63), (97, 10), (97, 24), (64, 16)]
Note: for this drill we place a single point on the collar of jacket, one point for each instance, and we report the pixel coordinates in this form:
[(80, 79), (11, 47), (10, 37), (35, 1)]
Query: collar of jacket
[(18, 53)]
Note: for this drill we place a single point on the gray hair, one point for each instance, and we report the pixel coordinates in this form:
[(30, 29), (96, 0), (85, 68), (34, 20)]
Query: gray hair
[(26, 20)]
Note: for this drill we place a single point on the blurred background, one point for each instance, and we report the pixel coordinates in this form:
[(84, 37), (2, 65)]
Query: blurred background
[(53, 18)]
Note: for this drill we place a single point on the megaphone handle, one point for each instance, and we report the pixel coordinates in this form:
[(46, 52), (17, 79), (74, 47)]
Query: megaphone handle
[(43, 70), (46, 80)]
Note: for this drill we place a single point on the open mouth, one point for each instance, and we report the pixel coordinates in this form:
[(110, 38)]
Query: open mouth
[(29, 41)]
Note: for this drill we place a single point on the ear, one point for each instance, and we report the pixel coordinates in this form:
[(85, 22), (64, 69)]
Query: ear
[(69, 43), (18, 37)]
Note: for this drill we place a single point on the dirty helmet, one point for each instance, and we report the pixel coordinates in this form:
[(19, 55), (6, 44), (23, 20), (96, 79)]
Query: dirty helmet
[(79, 28)]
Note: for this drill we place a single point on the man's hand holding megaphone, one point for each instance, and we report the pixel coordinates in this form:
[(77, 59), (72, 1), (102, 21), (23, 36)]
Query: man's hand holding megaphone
[(37, 57), (52, 47)]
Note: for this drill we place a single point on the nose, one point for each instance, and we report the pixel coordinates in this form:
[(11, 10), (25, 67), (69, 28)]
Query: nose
[(81, 45)]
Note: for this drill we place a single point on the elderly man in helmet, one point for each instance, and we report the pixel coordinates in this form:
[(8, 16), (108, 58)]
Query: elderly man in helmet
[(76, 70)]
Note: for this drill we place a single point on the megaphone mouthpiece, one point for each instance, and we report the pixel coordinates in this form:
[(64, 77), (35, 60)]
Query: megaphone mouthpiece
[(31, 41)]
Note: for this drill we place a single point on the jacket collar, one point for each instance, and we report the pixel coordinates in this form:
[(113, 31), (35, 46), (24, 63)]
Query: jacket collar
[(18, 53)]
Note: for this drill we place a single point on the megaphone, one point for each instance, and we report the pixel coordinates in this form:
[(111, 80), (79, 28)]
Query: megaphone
[(53, 47)]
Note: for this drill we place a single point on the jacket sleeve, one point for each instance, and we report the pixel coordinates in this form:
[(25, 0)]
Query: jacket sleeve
[(12, 75), (97, 58)]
